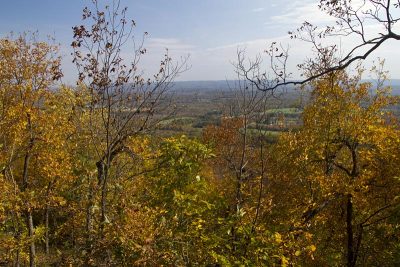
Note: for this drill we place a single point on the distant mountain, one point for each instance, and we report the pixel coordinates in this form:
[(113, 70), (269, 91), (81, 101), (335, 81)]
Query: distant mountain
[(394, 83), (220, 85), (202, 85), (224, 85)]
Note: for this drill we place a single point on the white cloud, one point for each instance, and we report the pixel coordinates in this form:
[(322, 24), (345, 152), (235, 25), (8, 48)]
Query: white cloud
[(297, 12), (260, 9), (170, 43), (216, 62), (250, 43)]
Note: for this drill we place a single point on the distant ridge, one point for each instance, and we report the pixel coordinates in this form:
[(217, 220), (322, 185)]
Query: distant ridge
[(223, 85), (208, 85)]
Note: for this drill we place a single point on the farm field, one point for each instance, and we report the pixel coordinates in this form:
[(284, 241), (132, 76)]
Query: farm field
[(198, 108)]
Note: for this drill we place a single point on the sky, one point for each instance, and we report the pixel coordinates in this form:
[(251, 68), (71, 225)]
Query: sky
[(209, 31)]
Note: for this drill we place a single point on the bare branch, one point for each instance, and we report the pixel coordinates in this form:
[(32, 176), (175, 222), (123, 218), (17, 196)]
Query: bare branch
[(351, 19)]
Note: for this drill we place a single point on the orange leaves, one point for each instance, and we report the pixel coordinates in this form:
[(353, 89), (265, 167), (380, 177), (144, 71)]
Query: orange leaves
[(225, 134)]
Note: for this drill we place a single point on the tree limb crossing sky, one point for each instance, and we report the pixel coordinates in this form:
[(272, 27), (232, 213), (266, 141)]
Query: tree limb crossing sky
[(210, 31)]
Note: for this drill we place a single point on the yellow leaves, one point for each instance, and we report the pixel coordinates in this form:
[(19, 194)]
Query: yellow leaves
[(57, 201), (140, 145), (278, 238), (198, 223), (349, 144), (284, 261)]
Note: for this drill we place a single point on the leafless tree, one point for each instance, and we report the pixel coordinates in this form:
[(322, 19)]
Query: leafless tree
[(246, 156), (122, 102), (351, 20)]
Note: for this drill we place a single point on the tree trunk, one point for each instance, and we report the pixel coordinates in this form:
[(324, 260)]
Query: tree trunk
[(102, 171), (31, 231), (103, 202), (47, 231), (17, 236), (29, 219), (89, 211), (350, 235), (17, 260), (89, 219)]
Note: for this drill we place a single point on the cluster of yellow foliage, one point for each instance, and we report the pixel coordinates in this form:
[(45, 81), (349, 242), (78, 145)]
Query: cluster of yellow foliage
[(77, 188)]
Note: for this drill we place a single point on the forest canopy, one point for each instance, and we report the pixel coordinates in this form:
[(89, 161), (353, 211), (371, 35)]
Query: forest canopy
[(86, 178)]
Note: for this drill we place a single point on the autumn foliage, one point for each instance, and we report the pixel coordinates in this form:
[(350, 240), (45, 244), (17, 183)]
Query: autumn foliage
[(84, 180)]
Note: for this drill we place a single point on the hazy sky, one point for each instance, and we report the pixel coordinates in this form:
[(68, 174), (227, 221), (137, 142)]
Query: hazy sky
[(209, 30)]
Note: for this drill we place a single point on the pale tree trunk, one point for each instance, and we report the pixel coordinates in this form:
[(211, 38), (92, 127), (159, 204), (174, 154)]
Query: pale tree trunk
[(29, 219), (103, 166), (46, 220), (32, 250)]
